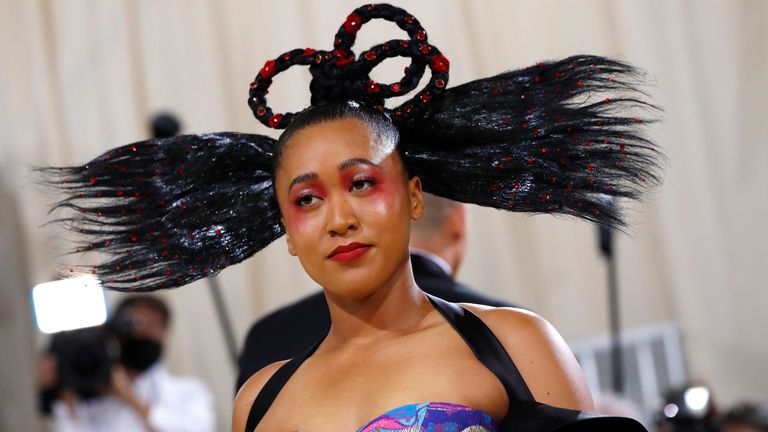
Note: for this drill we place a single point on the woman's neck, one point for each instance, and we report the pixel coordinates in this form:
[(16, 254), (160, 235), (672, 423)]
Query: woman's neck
[(396, 307)]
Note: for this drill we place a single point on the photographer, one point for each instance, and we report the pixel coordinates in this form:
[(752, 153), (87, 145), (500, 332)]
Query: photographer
[(111, 378)]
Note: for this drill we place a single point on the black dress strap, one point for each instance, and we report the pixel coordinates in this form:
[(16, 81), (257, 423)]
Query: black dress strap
[(525, 414), (486, 347), (269, 392)]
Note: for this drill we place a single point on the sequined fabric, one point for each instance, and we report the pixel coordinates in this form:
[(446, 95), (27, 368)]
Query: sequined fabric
[(432, 417)]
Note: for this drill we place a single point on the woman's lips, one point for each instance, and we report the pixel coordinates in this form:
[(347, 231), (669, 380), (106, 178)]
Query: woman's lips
[(349, 252)]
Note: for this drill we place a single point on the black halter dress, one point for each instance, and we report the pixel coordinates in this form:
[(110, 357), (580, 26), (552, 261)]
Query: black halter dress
[(524, 415)]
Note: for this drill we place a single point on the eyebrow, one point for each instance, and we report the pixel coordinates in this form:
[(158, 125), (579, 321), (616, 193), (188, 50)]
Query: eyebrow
[(355, 161), (342, 166)]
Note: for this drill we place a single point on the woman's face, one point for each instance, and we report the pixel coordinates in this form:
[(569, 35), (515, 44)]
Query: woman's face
[(347, 205)]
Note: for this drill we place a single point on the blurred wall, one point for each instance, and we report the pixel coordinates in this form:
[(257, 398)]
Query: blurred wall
[(80, 76)]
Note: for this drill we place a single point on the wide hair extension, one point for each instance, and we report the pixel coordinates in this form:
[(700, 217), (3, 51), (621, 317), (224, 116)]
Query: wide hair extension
[(559, 137), (556, 137), (170, 211)]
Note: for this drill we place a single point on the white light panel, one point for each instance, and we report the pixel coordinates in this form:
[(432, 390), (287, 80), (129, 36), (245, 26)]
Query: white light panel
[(69, 304)]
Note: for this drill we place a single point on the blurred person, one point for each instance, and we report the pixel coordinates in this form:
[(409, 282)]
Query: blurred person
[(112, 378), (745, 417), (689, 408), (437, 246)]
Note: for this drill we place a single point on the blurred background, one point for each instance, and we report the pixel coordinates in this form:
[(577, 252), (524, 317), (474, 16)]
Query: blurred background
[(78, 77)]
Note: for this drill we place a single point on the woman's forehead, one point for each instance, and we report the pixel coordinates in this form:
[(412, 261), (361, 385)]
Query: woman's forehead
[(333, 142)]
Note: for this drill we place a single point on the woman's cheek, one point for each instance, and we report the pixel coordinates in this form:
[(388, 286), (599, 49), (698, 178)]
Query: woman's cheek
[(387, 195), (293, 218), (299, 221)]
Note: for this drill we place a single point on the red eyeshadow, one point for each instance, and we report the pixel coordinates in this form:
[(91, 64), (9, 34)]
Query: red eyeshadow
[(312, 187)]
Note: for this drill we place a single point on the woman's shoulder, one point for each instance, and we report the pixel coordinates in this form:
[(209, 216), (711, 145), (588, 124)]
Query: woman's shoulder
[(248, 393), (515, 327), (544, 360)]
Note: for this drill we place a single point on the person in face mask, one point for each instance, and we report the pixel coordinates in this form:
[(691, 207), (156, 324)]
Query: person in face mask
[(142, 395)]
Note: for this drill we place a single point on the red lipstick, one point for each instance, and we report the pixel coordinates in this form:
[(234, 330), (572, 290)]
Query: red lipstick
[(349, 252)]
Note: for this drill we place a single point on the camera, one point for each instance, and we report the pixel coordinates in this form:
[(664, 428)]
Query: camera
[(86, 356)]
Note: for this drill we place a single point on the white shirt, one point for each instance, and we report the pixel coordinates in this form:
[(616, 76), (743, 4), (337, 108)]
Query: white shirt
[(177, 404)]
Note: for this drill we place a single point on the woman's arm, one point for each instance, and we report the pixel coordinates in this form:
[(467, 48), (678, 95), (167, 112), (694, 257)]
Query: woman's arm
[(547, 365), (247, 394)]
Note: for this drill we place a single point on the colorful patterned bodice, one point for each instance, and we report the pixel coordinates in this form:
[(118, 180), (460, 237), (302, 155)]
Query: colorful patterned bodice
[(432, 417)]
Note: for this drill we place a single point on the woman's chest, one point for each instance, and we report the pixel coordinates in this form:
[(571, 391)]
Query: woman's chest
[(345, 394)]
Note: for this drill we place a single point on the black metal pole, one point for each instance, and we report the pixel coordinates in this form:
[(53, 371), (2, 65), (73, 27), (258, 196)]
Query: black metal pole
[(224, 320), (617, 362), (614, 316), (166, 125)]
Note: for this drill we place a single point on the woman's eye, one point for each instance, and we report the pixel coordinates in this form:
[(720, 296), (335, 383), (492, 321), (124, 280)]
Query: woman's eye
[(306, 200), (360, 185)]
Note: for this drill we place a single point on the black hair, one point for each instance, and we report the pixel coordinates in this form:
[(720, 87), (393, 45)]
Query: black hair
[(557, 137), (146, 301), (379, 124), (166, 212)]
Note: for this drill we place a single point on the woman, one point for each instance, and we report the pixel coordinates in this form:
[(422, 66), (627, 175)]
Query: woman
[(347, 203), (343, 183)]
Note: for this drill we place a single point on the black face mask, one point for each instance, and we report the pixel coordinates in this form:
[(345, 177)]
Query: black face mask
[(139, 354)]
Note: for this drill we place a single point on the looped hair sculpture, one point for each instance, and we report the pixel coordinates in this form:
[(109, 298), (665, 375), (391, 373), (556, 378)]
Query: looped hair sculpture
[(338, 76)]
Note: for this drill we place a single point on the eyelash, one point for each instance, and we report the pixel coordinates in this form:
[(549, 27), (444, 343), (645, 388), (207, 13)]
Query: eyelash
[(301, 198), (300, 201), (368, 181)]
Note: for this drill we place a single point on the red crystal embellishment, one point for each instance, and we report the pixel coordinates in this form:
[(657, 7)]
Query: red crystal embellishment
[(341, 57), (353, 23), (268, 71), (439, 63), (373, 87), (275, 120)]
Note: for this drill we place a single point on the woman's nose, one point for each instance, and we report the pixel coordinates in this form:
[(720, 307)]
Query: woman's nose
[(341, 217)]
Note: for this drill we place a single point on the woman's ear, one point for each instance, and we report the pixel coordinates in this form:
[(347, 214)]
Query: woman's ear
[(417, 198)]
